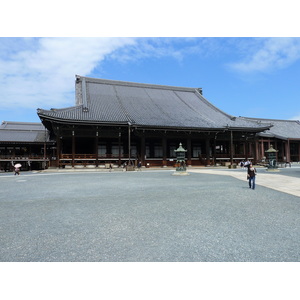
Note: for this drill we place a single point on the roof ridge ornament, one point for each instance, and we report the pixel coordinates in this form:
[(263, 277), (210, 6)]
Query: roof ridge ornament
[(84, 96)]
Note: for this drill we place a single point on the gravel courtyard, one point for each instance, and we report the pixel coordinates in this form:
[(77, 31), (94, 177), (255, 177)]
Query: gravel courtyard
[(148, 216)]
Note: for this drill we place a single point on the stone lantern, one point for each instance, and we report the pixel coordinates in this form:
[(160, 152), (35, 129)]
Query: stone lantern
[(180, 161), (271, 156)]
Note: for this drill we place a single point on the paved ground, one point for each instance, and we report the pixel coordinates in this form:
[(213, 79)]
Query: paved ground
[(148, 216), (285, 180)]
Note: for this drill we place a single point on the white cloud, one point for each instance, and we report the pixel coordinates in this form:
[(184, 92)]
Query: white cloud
[(171, 47), (153, 47), (40, 72), (272, 53)]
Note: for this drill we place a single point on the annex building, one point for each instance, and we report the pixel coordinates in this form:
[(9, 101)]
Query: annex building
[(114, 122)]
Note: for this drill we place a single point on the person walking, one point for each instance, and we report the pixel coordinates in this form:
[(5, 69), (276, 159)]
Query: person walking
[(242, 164), (139, 165), (247, 164), (17, 171), (17, 168), (251, 176)]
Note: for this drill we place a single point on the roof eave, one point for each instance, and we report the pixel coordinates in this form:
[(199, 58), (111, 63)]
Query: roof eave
[(72, 121), (257, 129)]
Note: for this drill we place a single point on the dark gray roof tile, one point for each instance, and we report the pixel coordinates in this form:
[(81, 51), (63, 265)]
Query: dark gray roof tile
[(144, 105), (282, 129), (23, 132)]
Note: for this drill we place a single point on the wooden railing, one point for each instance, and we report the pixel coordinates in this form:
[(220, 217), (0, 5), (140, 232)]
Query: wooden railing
[(78, 156), (91, 156), (228, 155), (21, 157)]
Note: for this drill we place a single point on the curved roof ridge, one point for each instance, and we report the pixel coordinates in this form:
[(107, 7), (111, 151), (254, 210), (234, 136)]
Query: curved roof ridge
[(213, 106), (266, 119), (135, 84)]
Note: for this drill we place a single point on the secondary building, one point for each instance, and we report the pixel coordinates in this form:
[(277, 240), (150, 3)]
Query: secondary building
[(25, 143)]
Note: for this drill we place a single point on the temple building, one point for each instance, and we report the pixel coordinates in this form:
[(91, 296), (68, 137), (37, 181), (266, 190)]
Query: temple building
[(114, 122), (25, 143), (284, 135)]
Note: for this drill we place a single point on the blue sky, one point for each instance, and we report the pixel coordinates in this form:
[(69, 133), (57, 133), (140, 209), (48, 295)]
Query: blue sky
[(253, 77)]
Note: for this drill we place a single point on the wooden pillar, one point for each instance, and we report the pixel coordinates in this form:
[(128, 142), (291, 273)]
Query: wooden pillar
[(285, 151), (29, 151), (262, 149), (164, 147), (282, 150), (45, 149), (119, 146), (231, 147), (96, 148), (288, 151), (44, 163), (207, 149), (108, 148), (73, 149), (256, 151), (58, 150), (189, 151), (214, 149), (143, 149), (275, 146), (129, 144)]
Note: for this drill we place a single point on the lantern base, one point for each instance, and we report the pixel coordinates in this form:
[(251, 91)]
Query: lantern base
[(180, 173), (272, 170)]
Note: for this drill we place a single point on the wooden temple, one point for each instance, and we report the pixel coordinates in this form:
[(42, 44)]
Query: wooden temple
[(113, 122)]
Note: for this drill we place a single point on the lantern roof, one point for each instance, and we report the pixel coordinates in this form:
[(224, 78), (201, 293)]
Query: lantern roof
[(180, 149), (271, 149)]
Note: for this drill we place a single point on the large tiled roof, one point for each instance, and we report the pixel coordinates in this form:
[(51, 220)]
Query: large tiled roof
[(282, 129), (144, 105), (23, 132)]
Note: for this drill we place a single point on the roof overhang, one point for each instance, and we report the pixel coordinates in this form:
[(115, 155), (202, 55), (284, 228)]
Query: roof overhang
[(48, 119)]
